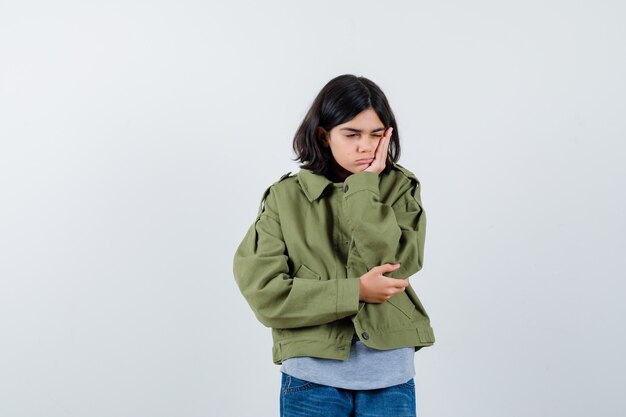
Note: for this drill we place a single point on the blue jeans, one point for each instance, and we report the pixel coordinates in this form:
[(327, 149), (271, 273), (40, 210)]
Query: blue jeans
[(300, 398)]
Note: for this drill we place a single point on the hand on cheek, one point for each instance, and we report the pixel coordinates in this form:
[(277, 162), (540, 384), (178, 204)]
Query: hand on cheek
[(378, 164)]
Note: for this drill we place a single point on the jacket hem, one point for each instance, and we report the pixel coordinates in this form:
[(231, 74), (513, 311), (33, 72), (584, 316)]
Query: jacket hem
[(414, 337)]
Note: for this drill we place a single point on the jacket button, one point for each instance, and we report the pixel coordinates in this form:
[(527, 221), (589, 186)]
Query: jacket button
[(345, 188), (365, 336)]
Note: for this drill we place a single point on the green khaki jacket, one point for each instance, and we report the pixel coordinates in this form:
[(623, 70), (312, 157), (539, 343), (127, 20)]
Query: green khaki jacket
[(298, 266)]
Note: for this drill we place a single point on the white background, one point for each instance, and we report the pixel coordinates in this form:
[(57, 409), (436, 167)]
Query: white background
[(137, 138)]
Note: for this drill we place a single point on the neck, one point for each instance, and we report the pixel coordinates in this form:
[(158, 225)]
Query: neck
[(337, 173)]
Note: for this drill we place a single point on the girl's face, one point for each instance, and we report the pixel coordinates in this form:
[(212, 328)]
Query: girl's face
[(353, 143)]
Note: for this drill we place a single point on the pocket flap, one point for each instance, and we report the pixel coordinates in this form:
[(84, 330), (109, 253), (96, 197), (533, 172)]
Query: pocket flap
[(403, 303), (305, 272)]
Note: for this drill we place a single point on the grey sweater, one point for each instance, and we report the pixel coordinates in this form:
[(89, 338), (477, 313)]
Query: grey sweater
[(366, 368)]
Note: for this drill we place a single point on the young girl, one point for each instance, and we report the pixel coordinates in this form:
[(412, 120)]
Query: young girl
[(326, 262)]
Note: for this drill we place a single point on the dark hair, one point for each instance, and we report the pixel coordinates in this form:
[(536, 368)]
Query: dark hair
[(341, 99)]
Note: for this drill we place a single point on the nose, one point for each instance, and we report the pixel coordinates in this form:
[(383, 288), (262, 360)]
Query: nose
[(365, 146)]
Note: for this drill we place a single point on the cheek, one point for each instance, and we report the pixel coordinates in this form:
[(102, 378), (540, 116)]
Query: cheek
[(348, 150), (343, 148)]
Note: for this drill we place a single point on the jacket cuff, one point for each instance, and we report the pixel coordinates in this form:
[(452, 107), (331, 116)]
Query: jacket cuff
[(348, 296), (364, 180)]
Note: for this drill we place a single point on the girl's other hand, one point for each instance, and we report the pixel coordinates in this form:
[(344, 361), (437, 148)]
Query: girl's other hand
[(380, 158), (377, 288)]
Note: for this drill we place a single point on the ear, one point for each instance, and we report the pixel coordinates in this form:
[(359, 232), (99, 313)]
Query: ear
[(322, 134)]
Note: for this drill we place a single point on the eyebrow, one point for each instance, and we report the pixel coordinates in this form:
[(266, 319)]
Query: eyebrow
[(359, 130)]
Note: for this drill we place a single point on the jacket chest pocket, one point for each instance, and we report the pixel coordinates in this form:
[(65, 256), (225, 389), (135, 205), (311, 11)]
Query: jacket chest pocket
[(305, 272)]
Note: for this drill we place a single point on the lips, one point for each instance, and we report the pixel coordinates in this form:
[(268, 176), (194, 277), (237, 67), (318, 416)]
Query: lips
[(365, 161)]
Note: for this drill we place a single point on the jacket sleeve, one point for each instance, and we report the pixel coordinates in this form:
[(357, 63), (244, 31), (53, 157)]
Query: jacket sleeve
[(382, 232), (278, 299)]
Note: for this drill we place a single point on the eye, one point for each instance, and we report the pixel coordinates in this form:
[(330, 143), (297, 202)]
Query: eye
[(351, 135)]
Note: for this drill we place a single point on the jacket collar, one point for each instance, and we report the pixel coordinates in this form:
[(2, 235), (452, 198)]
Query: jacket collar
[(314, 184)]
